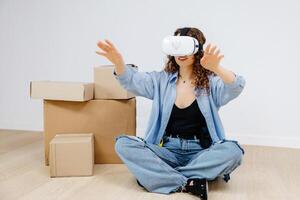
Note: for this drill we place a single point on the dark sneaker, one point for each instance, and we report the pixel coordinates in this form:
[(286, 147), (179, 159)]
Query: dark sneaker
[(199, 187)]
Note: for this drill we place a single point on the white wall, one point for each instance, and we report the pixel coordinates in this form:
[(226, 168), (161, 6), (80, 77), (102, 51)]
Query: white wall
[(56, 40)]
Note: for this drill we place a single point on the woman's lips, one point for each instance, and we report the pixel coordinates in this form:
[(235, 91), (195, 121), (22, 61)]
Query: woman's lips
[(182, 58)]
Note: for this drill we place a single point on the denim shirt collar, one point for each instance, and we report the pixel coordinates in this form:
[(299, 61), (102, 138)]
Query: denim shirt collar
[(174, 77)]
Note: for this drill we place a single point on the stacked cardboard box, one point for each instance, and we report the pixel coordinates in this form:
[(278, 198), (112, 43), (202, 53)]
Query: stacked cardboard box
[(105, 88), (103, 108)]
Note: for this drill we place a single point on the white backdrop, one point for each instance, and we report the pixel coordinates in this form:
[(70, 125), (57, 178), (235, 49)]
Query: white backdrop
[(56, 40)]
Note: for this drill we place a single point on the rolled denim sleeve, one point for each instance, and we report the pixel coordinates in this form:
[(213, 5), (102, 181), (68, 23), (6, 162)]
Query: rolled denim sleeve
[(139, 83), (223, 92)]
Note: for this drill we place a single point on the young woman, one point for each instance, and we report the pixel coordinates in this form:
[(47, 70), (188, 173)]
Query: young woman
[(184, 144)]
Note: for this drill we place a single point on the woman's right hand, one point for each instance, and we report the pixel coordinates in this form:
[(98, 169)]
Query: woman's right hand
[(112, 54)]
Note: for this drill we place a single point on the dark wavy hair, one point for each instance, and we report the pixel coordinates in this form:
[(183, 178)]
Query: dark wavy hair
[(201, 74)]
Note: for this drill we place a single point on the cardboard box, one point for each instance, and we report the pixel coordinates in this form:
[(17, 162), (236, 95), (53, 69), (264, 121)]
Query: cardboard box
[(107, 86), (104, 118), (58, 90), (72, 155)]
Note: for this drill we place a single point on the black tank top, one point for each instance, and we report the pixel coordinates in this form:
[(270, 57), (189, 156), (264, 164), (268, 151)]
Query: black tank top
[(187, 122)]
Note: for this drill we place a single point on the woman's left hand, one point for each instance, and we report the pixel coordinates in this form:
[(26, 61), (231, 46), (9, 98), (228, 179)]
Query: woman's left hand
[(211, 58)]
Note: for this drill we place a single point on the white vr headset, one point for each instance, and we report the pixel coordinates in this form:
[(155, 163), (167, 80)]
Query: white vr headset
[(180, 45)]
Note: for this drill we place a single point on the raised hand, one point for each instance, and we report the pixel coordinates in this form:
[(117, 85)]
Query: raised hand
[(211, 58), (110, 52)]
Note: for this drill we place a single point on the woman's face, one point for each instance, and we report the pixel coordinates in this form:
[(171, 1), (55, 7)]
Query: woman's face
[(185, 61)]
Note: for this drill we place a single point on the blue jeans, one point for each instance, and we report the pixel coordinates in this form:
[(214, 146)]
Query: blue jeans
[(165, 169)]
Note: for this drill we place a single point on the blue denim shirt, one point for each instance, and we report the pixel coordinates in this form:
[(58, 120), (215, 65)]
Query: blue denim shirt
[(160, 87)]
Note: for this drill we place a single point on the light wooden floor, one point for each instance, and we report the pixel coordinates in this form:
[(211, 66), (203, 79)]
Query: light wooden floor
[(266, 173)]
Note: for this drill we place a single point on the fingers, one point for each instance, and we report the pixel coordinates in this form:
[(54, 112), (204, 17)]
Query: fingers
[(109, 51), (207, 49), (103, 46), (110, 43), (211, 50), (220, 57), (101, 53)]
